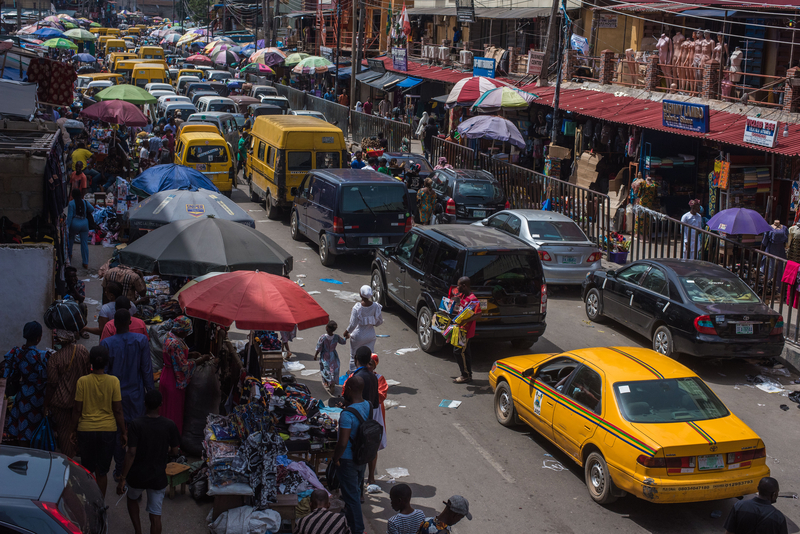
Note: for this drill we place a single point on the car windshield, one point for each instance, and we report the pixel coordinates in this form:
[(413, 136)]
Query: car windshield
[(207, 154), (378, 198), (469, 190), (668, 400), (556, 231), (424, 166), (715, 290), (509, 273), (224, 107)]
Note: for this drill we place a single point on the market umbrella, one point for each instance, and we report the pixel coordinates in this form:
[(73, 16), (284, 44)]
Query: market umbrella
[(95, 25), (312, 65), (48, 33), (293, 59), (199, 59), (503, 98), (128, 93), (736, 221), (170, 177), (268, 56), (199, 246), (468, 90), (491, 127), (60, 43), (80, 34), (256, 68), (226, 57), (192, 282), (254, 301), (165, 207), (171, 38), (86, 58), (68, 25), (116, 112)]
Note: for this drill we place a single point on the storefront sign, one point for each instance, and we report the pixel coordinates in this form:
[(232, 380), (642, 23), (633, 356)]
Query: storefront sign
[(376, 65), (724, 174), (326, 52), (535, 62), (683, 116), (606, 20), (400, 59), (761, 132), (465, 11), (483, 66)]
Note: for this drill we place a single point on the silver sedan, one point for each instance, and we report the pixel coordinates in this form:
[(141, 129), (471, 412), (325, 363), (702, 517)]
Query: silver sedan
[(566, 253)]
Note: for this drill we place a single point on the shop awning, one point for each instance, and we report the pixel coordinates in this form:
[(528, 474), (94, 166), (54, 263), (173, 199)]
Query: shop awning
[(409, 82), (491, 12), (721, 13), (386, 82), (441, 99), (368, 75)]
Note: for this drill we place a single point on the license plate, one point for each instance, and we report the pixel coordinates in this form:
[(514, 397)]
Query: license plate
[(711, 461), (479, 213), (374, 241), (744, 329), (201, 166), (569, 260)]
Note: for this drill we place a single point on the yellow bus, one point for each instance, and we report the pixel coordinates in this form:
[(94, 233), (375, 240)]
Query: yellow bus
[(283, 149), (85, 79), (116, 57), (126, 66), (133, 30), (100, 44), (99, 31), (144, 73), (151, 52), (115, 45), (113, 32), (201, 147)]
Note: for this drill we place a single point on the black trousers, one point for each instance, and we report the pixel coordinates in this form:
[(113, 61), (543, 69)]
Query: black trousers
[(463, 358)]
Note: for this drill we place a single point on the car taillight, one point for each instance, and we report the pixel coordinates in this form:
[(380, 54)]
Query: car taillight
[(544, 255), (450, 209), (704, 325), (338, 225), (777, 329), (508, 204), (651, 461), (52, 510), (409, 223), (543, 300), (743, 456), (677, 465), (594, 256)]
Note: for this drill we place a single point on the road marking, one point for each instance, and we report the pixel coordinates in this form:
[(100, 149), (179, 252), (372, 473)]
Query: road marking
[(486, 456)]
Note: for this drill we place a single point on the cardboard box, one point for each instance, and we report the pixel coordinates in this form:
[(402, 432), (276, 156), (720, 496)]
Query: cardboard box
[(558, 152)]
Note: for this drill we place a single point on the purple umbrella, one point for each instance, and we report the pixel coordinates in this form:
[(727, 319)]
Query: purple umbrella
[(491, 127), (226, 57), (735, 221)]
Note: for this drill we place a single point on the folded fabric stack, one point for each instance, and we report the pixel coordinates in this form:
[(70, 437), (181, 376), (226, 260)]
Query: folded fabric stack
[(687, 159), (764, 179), (750, 178), (654, 162), (666, 163)]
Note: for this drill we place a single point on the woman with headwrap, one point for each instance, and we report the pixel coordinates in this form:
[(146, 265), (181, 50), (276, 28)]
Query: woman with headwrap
[(64, 368), (178, 370), (364, 317), (359, 107), (25, 370), (442, 164), (423, 122)]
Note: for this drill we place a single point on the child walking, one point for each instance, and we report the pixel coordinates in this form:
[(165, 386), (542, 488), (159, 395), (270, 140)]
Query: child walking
[(407, 520), (329, 362)]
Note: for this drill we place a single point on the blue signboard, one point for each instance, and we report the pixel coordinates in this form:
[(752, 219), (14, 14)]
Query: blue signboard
[(685, 116), (483, 66)]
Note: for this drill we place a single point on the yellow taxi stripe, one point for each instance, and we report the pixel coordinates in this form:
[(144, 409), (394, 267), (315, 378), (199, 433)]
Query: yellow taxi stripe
[(639, 361), (702, 432)]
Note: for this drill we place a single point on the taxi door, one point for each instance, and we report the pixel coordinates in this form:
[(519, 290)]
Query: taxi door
[(537, 403), (573, 423)]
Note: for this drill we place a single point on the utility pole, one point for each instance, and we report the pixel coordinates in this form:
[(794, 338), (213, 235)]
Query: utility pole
[(358, 44), (562, 41), (265, 13), (354, 52), (275, 12), (552, 37), (19, 15), (338, 44)]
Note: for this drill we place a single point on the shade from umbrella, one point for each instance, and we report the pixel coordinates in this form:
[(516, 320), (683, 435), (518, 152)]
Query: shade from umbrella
[(468, 90), (116, 112), (79, 34), (170, 177), (504, 98), (199, 246), (256, 68), (127, 93), (312, 65), (737, 221), (165, 207), (293, 59), (48, 33), (86, 58), (226, 57), (491, 127), (199, 59), (254, 301), (268, 56), (60, 43)]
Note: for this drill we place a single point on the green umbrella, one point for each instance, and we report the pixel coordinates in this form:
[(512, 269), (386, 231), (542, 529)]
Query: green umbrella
[(95, 25), (294, 59), (79, 34), (60, 43), (127, 93), (68, 25), (312, 65)]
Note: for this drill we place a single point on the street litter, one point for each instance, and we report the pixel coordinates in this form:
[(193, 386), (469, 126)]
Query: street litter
[(770, 388), (313, 292), (389, 403), (784, 407), (349, 296), (765, 384), (308, 372), (762, 404), (392, 382), (300, 283), (300, 275), (380, 477), (90, 302), (400, 352), (382, 335), (468, 395), (778, 371), (555, 465), (397, 472), (330, 281), (374, 488), (255, 210), (795, 396), (716, 514), (293, 366), (449, 404)]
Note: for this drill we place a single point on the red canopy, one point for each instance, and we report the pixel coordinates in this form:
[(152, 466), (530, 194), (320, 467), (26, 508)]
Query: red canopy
[(199, 59), (254, 300), (116, 112)]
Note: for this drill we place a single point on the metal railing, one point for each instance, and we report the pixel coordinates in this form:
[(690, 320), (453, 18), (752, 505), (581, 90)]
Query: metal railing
[(297, 99), (336, 114), (459, 156), (365, 126)]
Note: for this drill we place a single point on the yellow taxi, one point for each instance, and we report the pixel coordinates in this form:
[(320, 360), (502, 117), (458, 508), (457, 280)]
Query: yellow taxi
[(637, 422)]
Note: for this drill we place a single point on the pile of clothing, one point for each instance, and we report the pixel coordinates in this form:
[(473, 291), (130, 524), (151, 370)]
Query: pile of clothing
[(268, 340)]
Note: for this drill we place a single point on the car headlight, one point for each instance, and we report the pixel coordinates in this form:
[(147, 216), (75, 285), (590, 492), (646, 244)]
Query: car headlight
[(494, 367)]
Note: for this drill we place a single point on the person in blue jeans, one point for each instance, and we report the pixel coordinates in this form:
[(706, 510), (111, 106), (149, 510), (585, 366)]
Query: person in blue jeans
[(351, 475), (78, 214)]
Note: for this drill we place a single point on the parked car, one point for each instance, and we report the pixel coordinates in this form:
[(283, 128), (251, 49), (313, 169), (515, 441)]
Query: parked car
[(158, 86), (194, 88), (466, 196), (200, 93), (280, 101), (47, 493), (257, 110), (637, 422), (225, 123), (218, 75), (184, 82), (179, 110), (686, 306), (348, 211), (215, 103), (257, 91), (506, 276), (309, 113), (567, 254)]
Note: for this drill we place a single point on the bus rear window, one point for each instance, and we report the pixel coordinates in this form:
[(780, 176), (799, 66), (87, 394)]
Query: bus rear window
[(207, 154), (328, 160), (298, 161)]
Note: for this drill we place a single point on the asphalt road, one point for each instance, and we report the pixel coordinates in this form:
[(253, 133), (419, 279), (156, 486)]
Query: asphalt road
[(465, 451)]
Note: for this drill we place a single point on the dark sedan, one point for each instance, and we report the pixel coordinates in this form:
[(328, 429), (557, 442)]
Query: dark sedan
[(466, 196), (686, 306)]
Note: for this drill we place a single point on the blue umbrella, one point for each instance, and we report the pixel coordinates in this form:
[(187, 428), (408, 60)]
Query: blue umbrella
[(736, 221), (86, 58), (48, 33), (170, 176)]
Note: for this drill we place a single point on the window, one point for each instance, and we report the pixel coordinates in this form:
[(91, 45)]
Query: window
[(656, 281), (328, 160), (445, 266), (370, 199), (717, 290), (469, 190), (440, 182), (498, 220), (556, 231), (406, 247), (261, 146), (586, 388), (668, 400), (271, 157), (207, 154), (633, 273), (507, 273), (556, 372), (326, 195), (424, 248), (513, 225), (299, 161), (313, 188)]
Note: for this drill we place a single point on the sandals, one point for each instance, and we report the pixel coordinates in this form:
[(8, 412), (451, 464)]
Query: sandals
[(463, 380)]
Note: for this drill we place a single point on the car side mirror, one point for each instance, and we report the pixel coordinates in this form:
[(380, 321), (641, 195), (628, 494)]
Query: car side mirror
[(528, 373), (611, 274), (389, 251), (293, 191), (485, 222)]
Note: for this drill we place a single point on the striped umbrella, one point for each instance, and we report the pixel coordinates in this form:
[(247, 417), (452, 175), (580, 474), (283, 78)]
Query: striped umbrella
[(226, 57), (469, 90), (312, 65), (294, 59), (504, 97), (256, 68), (171, 38), (268, 56)]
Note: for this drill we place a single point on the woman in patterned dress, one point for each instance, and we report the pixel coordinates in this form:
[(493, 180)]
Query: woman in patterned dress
[(25, 369), (426, 199)]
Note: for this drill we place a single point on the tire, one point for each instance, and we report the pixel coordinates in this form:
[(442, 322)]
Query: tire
[(378, 290), (228, 193), (662, 342), (325, 257), (504, 409), (429, 341), (594, 306), (253, 196), (273, 213), (294, 227), (598, 480), (523, 343)]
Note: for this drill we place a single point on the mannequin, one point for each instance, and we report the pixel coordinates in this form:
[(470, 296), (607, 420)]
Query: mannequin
[(685, 62), (664, 47), (677, 41), (697, 61), (630, 66), (708, 51), (736, 65), (720, 50), (793, 252)]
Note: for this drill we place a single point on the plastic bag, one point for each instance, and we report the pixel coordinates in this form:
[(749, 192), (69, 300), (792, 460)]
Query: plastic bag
[(237, 488), (43, 437), (64, 315), (202, 398), (245, 520)]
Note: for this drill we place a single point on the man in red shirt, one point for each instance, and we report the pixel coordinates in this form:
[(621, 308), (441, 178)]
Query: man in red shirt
[(137, 325), (368, 107), (463, 296)]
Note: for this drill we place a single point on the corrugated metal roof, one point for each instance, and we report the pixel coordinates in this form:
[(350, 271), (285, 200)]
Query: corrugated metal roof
[(436, 74), (724, 127), (486, 12)]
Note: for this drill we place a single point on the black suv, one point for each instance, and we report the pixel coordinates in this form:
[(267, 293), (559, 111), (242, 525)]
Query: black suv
[(506, 276), (466, 196)]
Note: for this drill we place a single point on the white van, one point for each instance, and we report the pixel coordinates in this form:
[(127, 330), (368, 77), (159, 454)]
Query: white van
[(157, 86), (263, 90), (183, 81), (206, 104), (218, 76)]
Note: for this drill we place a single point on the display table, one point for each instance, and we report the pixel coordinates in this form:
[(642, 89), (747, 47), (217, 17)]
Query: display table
[(177, 475), (223, 503), (287, 507)]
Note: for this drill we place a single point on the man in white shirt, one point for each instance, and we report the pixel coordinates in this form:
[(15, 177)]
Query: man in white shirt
[(691, 239)]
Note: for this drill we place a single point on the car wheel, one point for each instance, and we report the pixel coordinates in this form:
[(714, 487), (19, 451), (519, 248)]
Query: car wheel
[(429, 340), (662, 341), (273, 212), (598, 480), (594, 306), (294, 228), (378, 291), (523, 343), (325, 257), (504, 406)]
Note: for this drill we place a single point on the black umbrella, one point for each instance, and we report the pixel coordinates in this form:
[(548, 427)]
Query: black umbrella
[(165, 207), (199, 246)]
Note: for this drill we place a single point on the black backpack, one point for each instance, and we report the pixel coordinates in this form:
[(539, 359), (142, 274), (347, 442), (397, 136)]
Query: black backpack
[(368, 438)]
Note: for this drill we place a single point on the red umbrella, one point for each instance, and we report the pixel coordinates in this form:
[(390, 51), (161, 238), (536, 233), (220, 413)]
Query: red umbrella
[(116, 112), (254, 300), (199, 59)]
